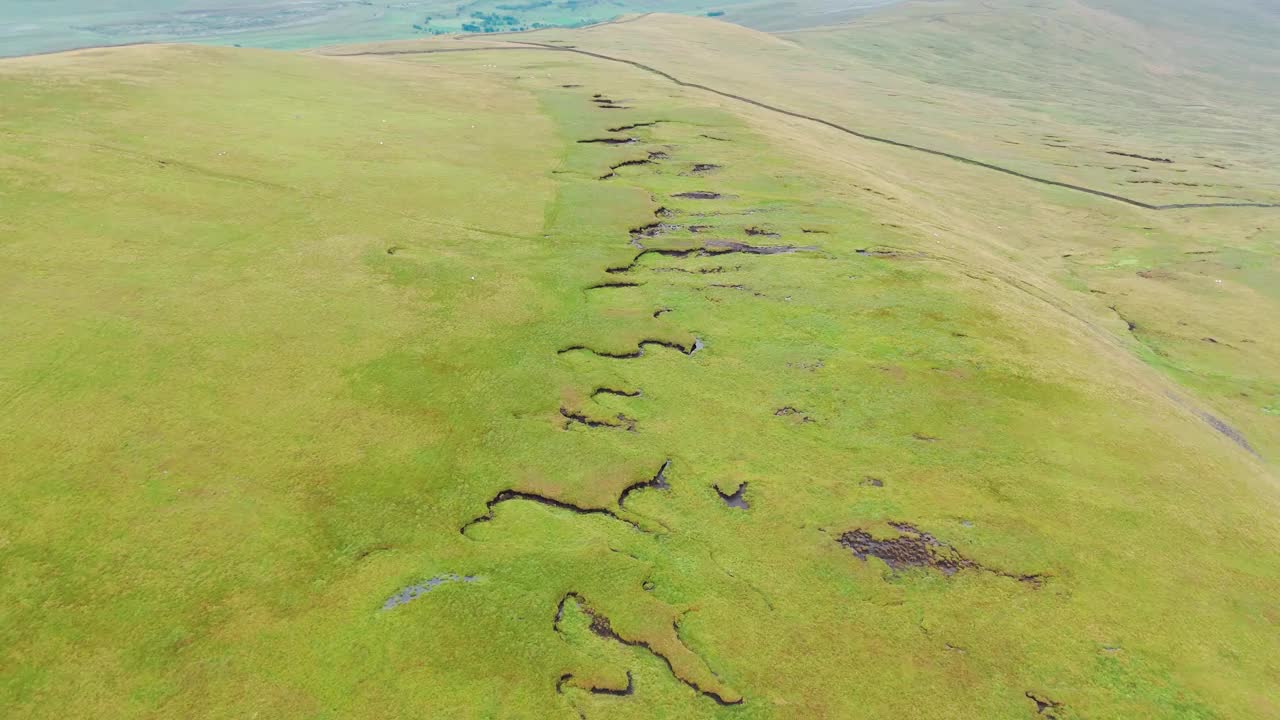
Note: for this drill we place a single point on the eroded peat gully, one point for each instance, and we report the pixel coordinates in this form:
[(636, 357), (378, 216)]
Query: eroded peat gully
[(600, 626), (599, 414), (587, 418), (528, 45)]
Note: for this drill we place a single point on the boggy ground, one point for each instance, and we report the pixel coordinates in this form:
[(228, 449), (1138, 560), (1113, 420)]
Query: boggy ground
[(232, 450), (1031, 88)]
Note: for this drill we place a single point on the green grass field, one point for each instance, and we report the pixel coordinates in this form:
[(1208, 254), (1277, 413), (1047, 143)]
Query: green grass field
[(346, 386)]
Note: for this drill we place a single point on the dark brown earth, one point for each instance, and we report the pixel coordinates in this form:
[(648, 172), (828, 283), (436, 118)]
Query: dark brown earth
[(513, 495), (633, 126), (614, 391), (1044, 706), (639, 351), (657, 482), (621, 422), (601, 627), (797, 413), (736, 499), (1148, 158), (914, 548)]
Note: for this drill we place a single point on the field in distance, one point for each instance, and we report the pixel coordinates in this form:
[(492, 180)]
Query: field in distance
[(27, 28)]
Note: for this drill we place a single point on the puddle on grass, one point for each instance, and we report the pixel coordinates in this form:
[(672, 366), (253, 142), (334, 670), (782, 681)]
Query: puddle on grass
[(736, 499), (413, 592)]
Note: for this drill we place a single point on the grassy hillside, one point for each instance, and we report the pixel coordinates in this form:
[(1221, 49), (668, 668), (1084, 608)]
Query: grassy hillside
[(521, 384), (1197, 285)]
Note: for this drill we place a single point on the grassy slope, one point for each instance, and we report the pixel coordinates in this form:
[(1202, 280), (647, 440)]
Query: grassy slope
[(209, 313), (1205, 274), (240, 424)]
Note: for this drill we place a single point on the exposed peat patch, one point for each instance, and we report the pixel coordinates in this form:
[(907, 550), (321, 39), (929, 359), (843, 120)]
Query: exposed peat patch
[(601, 689), (914, 548), (1148, 158), (736, 499), (614, 391), (652, 230), (621, 422), (650, 251), (633, 126), (621, 692), (639, 351), (601, 627), (1133, 327), (657, 482), (1044, 706), (729, 246), (512, 495), (613, 169), (880, 252), (610, 141), (792, 412)]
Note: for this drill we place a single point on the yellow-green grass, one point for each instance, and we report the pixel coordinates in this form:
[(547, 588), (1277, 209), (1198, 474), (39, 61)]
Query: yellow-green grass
[(1093, 250), (235, 424), (1046, 90)]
